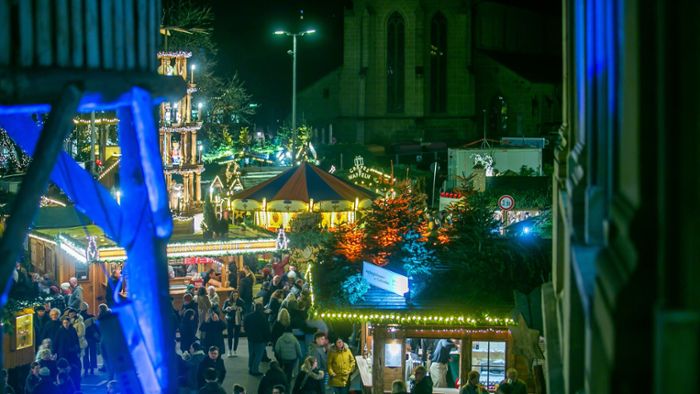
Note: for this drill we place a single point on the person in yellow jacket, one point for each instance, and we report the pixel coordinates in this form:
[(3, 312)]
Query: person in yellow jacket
[(341, 363)]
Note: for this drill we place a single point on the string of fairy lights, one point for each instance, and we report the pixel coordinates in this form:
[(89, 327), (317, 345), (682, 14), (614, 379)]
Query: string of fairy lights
[(405, 318)]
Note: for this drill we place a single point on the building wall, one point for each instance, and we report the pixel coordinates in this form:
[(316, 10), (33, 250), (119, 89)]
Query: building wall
[(623, 310), (534, 108), (473, 78)]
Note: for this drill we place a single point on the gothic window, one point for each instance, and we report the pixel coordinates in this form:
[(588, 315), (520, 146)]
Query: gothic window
[(438, 63), (395, 65)]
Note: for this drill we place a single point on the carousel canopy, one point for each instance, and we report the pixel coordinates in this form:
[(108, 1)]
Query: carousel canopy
[(304, 183)]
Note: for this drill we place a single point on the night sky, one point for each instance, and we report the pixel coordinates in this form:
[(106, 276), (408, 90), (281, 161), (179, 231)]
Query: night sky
[(244, 31)]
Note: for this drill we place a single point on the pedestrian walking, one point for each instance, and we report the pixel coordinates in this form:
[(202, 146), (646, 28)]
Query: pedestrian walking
[(288, 353), (274, 376), (233, 310), (341, 363), (214, 298), (211, 385), (258, 332), (211, 361), (76, 295), (213, 332), (310, 379), (92, 335)]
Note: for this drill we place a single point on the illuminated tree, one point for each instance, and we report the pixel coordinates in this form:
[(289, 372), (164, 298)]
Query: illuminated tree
[(350, 241), (391, 218), (12, 158)]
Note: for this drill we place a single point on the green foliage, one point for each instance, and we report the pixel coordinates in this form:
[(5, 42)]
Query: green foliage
[(354, 289), (417, 258), (487, 264), (7, 313), (209, 224), (305, 231)]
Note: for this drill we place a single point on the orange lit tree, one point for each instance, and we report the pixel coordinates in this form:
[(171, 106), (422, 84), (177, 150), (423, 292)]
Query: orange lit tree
[(350, 241), (391, 218)]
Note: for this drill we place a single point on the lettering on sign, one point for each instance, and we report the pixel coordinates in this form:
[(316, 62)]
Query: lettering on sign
[(384, 279), (359, 170)]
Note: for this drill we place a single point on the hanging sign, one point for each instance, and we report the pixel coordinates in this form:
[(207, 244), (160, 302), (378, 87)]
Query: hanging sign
[(384, 279)]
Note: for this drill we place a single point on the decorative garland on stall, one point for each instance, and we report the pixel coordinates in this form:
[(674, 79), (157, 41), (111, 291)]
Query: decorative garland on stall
[(13, 306), (413, 318)]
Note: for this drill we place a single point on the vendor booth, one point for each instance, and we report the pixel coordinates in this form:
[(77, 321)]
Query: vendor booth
[(448, 336), (85, 253), (305, 188)]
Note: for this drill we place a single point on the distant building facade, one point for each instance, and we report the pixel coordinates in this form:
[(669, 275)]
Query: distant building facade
[(436, 70)]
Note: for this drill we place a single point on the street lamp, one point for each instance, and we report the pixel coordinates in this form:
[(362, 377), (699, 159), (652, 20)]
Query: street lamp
[(293, 52), (192, 67)]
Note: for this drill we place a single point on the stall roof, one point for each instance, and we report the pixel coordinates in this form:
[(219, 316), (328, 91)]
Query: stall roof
[(303, 183), (240, 240), (442, 303)]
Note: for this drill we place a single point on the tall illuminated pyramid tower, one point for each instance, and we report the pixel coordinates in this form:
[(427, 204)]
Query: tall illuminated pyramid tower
[(178, 139)]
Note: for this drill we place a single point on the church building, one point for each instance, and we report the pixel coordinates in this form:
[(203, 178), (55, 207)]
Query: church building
[(440, 70)]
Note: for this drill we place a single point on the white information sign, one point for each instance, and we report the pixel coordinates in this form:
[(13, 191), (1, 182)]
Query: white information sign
[(384, 279)]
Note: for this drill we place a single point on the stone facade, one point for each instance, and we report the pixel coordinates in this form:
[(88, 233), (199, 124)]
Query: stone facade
[(446, 77)]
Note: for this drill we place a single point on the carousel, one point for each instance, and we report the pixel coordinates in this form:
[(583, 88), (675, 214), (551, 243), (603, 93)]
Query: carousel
[(305, 188)]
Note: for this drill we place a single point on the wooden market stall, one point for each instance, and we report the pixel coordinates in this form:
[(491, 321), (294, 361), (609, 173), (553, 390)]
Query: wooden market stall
[(397, 336), (85, 253)]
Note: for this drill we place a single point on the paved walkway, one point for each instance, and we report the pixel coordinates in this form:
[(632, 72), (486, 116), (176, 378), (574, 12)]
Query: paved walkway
[(236, 373)]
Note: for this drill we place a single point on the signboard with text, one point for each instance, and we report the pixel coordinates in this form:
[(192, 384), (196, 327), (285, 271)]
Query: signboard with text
[(384, 279)]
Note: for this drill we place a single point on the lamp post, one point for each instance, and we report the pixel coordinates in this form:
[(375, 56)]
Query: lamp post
[(293, 52)]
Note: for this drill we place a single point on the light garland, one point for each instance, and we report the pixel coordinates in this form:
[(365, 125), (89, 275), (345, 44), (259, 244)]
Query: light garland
[(174, 250), (98, 121), (110, 168), (42, 239), (71, 249), (180, 129), (184, 54), (403, 317), (197, 170), (416, 318)]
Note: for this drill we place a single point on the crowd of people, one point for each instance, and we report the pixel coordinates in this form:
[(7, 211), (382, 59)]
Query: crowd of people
[(301, 360), (67, 338), (277, 316)]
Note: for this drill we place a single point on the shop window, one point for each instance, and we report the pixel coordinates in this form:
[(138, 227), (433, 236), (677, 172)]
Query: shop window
[(81, 271), (489, 359), (395, 64)]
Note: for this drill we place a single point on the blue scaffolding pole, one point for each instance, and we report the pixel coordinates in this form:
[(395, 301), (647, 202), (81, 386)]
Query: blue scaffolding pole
[(141, 224)]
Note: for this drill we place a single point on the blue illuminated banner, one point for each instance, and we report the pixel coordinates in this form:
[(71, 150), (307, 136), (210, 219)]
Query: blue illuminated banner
[(384, 279)]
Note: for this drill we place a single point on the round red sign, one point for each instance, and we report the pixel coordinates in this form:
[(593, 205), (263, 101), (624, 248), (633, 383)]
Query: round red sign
[(506, 202)]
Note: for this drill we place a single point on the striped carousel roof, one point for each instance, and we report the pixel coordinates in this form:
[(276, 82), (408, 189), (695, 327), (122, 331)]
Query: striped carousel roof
[(303, 183)]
